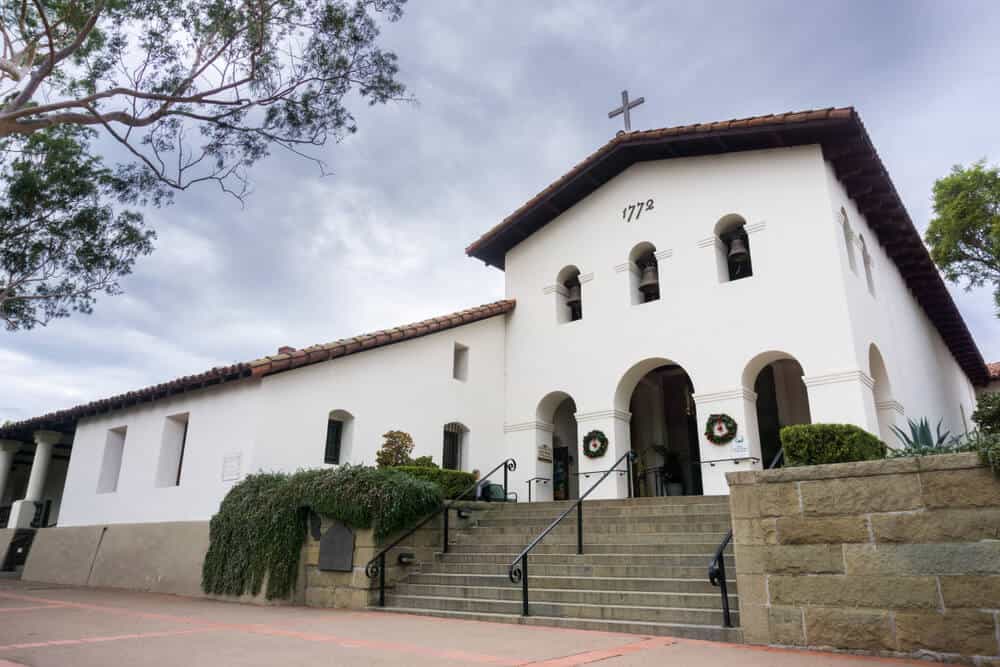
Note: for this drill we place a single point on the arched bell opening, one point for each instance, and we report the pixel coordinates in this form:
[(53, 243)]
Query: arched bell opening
[(782, 398), (733, 249), (559, 409), (663, 429), (644, 274), (569, 295)]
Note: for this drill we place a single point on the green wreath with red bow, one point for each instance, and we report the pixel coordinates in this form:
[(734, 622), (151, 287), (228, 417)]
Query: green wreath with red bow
[(720, 429), (595, 444)]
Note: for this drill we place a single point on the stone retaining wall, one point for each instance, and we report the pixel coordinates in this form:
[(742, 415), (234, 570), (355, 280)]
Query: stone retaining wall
[(892, 557)]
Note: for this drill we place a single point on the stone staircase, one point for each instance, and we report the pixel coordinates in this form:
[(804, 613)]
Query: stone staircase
[(644, 568)]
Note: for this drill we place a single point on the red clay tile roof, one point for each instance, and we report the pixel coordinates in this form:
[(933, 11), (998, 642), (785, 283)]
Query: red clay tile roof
[(845, 144), (65, 420), (994, 370)]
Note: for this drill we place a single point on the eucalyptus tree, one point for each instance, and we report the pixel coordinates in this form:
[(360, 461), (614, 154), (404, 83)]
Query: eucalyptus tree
[(190, 91)]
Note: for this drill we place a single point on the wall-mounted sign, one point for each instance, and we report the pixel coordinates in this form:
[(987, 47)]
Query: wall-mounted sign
[(740, 447), (232, 466), (545, 453)]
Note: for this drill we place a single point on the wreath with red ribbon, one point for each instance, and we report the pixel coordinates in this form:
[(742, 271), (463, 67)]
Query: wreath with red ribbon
[(720, 429), (595, 444)]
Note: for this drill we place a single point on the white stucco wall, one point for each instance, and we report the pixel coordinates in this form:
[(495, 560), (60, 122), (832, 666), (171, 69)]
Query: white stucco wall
[(924, 378), (794, 302), (803, 302), (279, 424)]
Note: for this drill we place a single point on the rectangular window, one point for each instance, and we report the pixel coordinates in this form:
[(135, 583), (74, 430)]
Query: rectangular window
[(451, 458), (460, 362), (168, 471), (334, 435), (111, 464)]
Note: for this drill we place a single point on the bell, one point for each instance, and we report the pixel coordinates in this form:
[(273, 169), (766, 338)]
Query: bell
[(573, 296), (738, 252), (649, 283)]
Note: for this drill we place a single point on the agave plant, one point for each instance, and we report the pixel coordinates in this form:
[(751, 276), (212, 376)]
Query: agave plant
[(920, 436)]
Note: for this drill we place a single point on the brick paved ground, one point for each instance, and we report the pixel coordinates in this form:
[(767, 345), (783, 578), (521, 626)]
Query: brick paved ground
[(46, 626)]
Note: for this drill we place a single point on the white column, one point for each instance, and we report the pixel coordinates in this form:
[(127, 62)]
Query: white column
[(743, 452), (890, 413), (615, 425), (530, 444), (843, 398), (23, 511), (7, 450)]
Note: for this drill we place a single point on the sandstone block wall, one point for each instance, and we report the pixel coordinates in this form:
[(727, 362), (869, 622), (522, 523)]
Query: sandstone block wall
[(892, 557)]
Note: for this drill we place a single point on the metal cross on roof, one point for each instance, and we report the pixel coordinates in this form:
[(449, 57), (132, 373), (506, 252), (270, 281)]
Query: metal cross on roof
[(624, 109)]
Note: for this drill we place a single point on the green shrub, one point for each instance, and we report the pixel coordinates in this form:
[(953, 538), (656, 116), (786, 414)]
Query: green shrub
[(451, 482), (814, 444), (261, 524), (987, 413), (395, 451), (424, 462)]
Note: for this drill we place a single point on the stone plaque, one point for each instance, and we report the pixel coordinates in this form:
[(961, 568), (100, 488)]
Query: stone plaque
[(232, 466), (545, 453), (336, 549)]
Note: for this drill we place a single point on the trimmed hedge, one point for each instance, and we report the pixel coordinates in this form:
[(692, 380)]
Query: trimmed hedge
[(451, 482), (259, 530), (815, 444)]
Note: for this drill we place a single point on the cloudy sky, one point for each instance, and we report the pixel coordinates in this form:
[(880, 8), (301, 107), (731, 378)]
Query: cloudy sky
[(511, 94)]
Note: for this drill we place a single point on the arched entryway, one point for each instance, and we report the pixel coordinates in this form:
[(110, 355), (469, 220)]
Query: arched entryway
[(782, 399), (663, 429), (559, 409), (885, 405)]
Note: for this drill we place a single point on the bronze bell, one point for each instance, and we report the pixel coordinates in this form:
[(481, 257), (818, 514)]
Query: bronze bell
[(573, 295), (738, 252), (649, 282)]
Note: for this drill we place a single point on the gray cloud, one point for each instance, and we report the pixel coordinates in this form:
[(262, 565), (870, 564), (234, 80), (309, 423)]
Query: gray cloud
[(510, 96)]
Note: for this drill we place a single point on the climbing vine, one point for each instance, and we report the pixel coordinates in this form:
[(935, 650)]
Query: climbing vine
[(258, 533)]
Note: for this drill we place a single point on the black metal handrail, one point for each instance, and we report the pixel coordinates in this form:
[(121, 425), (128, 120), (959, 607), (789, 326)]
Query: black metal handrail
[(717, 568), (542, 480), (518, 569), (376, 566)]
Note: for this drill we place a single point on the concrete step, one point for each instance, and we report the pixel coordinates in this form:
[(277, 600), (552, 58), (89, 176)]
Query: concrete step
[(560, 536), (650, 560), (647, 584), (569, 547), (695, 616), (613, 528), (568, 570), (610, 511), (571, 595), (687, 630), (540, 522)]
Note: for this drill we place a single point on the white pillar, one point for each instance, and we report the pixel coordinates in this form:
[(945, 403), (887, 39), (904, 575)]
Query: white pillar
[(743, 452), (843, 398), (23, 511), (615, 426), (530, 444), (7, 450)]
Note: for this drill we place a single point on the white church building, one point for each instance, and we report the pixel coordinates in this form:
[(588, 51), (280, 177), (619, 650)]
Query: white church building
[(764, 269)]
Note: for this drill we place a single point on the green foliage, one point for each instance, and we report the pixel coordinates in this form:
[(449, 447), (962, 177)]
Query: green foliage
[(815, 444), (198, 90), (920, 436), (964, 235), (987, 413), (424, 462), (451, 482), (396, 450), (988, 446), (61, 243), (259, 530)]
